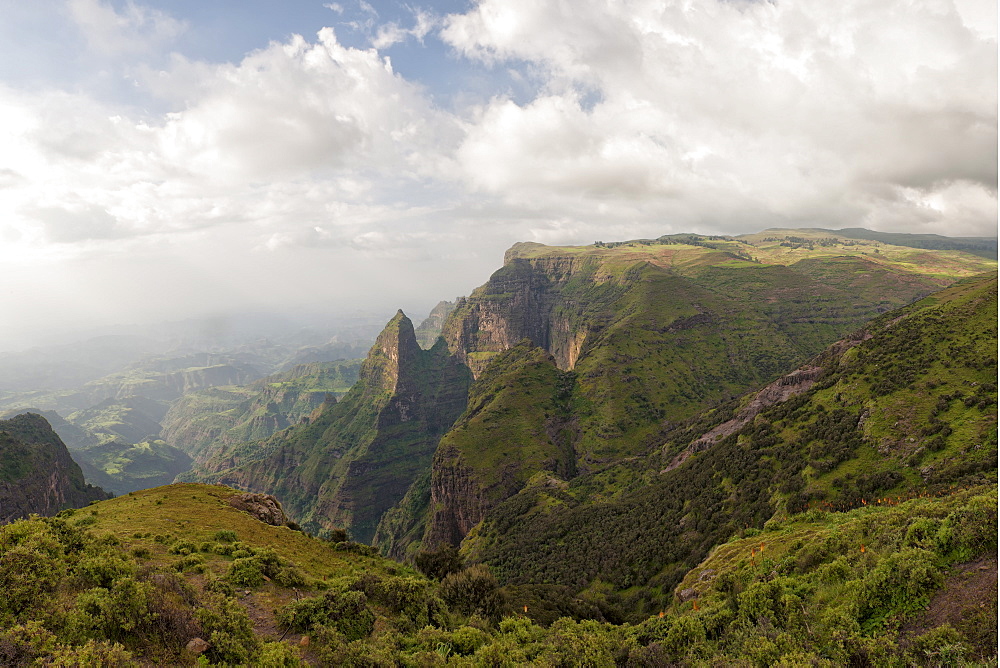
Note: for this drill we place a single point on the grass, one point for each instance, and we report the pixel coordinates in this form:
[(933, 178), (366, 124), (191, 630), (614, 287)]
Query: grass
[(196, 513)]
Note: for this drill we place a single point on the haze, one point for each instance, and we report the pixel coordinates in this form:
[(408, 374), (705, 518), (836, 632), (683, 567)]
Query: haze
[(170, 159)]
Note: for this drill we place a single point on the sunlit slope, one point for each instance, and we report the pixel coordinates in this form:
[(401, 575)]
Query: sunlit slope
[(912, 582)]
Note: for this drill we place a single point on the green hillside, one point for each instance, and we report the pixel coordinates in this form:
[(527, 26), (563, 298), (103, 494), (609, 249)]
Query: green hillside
[(644, 335), (206, 423), (906, 405)]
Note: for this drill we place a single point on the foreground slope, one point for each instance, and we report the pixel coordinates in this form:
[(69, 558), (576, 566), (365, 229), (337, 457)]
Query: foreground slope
[(906, 405), (190, 575)]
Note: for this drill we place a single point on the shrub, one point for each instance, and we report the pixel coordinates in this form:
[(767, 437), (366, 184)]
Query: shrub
[(92, 653), (192, 562), (943, 646), (229, 631), (22, 644), (439, 563), (102, 570), (345, 611), (225, 536), (473, 591), (245, 572), (120, 613), (28, 573)]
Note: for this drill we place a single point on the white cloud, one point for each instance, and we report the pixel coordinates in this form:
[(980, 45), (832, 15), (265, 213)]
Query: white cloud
[(749, 110), (310, 163)]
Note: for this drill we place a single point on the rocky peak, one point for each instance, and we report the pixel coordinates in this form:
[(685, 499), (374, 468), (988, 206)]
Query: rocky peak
[(394, 353)]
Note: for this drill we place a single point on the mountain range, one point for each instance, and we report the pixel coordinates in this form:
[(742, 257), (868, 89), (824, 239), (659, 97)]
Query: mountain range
[(606, 432)]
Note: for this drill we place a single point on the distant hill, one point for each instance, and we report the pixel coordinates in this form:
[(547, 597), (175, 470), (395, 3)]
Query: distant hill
[(982, 246)]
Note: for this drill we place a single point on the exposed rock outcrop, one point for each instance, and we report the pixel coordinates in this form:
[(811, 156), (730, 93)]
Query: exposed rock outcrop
[(264, 507), (358, 457)]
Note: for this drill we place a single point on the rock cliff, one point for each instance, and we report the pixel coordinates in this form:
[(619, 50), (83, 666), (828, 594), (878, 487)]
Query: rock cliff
[(37, 474)]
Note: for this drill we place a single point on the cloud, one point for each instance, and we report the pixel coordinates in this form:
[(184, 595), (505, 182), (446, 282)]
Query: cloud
[(298, 107), (392, 33), (135, 29), (791, 111), (324, 176)]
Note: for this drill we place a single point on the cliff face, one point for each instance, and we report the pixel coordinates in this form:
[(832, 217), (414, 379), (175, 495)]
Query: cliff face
[(526, 299), (37, 474), (521, 400), (429, 330)]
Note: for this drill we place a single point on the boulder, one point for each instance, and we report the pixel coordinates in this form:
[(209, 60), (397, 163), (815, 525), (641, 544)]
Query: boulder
[(264, 507)]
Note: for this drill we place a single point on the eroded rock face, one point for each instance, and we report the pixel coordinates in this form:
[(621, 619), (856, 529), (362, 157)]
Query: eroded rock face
[(521, 301), (264, 507), (457, 500)]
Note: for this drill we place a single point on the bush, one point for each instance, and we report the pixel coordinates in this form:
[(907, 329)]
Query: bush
[(473, 591), (229, 631), (439, 563), (225, 536), (345, 611), (92, 653), (122, 613), (103, 570), (245, 572)]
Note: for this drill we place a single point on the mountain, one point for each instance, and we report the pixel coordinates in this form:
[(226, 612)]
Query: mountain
[(641, 336), (37, 474), (581, 358), (906, 406), (358, 456), (430, 328), (206, 422)]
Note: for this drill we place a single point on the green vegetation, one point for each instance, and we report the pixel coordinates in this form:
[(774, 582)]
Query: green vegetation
[(207, 424), (909, 407), (121, 468), (148, 573), (357, 457)]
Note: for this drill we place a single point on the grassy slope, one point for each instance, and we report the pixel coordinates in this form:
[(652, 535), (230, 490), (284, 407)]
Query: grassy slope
[(668, 328), (130, 581), (125, 467), (204, 422)]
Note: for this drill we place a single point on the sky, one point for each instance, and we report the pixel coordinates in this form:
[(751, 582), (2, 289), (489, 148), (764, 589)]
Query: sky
[(182, 158)]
